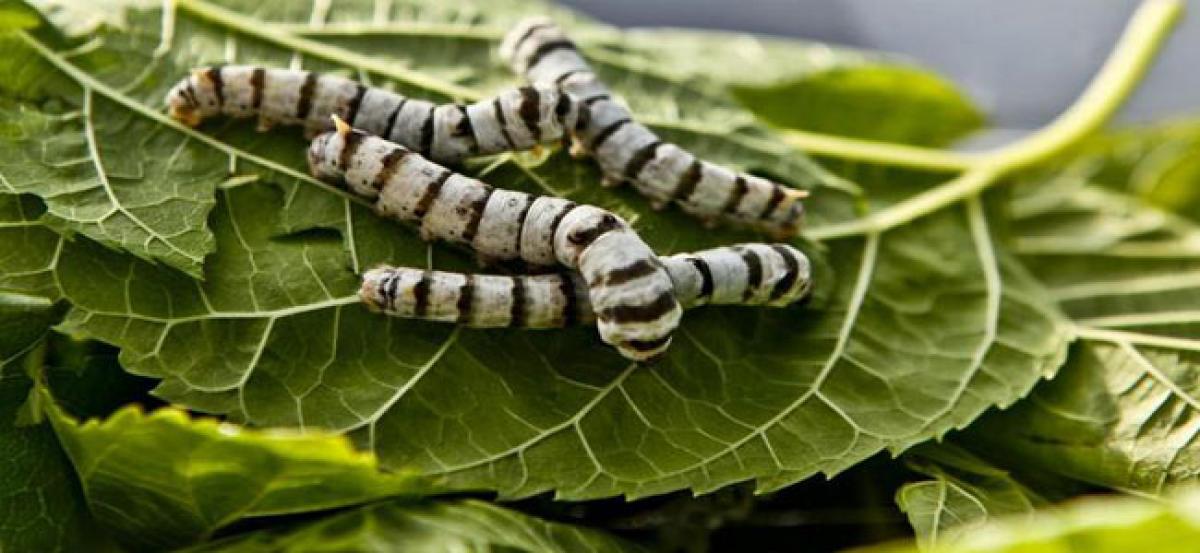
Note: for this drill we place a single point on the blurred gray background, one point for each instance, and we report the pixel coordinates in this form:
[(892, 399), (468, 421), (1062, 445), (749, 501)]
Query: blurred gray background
[(1024, 61)]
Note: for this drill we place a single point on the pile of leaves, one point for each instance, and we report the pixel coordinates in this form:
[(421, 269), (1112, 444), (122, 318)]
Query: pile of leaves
[(185, 363)]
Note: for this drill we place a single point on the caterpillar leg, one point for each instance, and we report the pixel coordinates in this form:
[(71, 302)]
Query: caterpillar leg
[(781, 234), (610, 182), (577, 149), (186, 116)]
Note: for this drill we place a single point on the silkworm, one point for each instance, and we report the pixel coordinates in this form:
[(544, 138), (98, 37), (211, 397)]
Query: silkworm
[(628, 151), (630, 289), (775, 275), (515, 119), (747, 274)]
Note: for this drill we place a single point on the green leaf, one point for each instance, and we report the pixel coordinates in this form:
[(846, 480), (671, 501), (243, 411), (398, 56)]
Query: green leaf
[(1159, 163), (872, 102), (963, 493), (1097, 525), (434, 527), (918, 330), (41, 505), (23, 321), (230, 345), (164, 479), (16, 15), (1123, 412), (92, 166), (31, 250)]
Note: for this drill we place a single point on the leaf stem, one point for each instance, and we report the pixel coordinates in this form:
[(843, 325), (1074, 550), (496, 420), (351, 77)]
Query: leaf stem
[(1112, 85), (248, 26), (396, 28), (874, 151), (1110, 88)]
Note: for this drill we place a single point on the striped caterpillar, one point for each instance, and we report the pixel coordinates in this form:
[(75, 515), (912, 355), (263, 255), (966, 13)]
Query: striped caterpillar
[(748, 274), (631, 291), (515, 119), (627, 151)]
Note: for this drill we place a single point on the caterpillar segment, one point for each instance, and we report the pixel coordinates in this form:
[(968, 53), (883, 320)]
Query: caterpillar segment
[(476, 300), (775, 275), (514, 119), (636, 312), (628, 151)]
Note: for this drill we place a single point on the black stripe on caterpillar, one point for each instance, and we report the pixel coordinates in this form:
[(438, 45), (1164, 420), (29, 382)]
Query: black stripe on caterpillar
[(515, 119), (628, 151), (507, 225), (748, 274)]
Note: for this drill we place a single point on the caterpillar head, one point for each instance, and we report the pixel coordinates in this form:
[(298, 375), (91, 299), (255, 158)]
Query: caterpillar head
[(194, 98), (569, 112), (801, 281), (580, 229), (519, 35), (785, 220), (325, 151), (376, 285)]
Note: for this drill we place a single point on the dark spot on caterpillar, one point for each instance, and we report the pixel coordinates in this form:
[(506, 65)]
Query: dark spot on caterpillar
[(736, 195), (562, 78), (388, 166), (789, 278), (546, 48), (754, 271), (597, 98), (688, 181), (570, 310), (421, 294), (584, 237), (643, 313), (431, 194), (258, 79), (640, 158), (306, 95), (517, 312), (477, 208), (648, 345), (635, 270), (706, 278), (777, 196), (567, 208), (466, 299), (391, 122), (218, 84), (349, 147), (521, 223), (355, 102), (608, 131), (427, 133), (464, 123), (530, 111), (529, 32), (498, 108)]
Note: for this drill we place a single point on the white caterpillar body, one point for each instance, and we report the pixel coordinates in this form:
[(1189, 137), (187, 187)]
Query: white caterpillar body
[(628, 151), (479, 301), (631, 291), (514, 119), (747, 274), (775, 275)]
